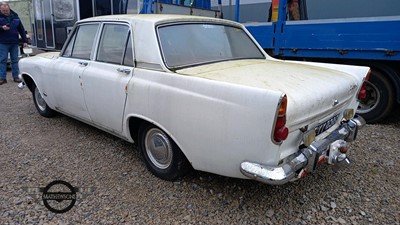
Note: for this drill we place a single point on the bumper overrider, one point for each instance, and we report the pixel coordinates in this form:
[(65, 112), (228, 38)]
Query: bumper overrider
[(332, 148)]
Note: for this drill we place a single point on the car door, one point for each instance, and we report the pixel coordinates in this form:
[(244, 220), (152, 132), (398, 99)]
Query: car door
[(67, 71), (105, 79)]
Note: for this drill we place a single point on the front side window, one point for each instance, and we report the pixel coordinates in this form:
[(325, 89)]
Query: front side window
[(81, 43), (68, 50), (112, 43), (194, 44)]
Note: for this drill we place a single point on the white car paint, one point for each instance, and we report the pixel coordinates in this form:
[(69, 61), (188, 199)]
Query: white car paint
[(219, 114)]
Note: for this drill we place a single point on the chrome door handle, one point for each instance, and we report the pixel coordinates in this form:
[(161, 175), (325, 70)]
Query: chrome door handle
[(127, 71), (83, 63)]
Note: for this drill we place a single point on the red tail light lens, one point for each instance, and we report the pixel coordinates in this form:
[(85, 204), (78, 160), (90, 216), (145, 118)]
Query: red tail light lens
[(281, 132)]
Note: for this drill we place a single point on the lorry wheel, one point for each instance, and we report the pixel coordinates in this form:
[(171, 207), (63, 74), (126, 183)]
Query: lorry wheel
[(40, 103), (380, 98), (161, 155)]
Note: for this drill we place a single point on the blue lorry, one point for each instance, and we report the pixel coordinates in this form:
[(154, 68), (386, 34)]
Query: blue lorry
[(357, 32)]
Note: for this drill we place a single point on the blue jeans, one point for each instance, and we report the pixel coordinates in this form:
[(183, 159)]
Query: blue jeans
[(13, 50)]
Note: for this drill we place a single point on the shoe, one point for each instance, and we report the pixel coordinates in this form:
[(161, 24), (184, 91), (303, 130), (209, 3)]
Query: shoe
[(3, 81), (17, 80)]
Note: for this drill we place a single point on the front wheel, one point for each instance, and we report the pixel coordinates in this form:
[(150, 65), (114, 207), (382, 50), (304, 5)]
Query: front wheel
[(380, 98), (41, 104), (161, 155)]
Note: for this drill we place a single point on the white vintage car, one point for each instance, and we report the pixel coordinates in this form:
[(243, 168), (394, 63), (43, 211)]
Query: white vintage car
[(200, 93)]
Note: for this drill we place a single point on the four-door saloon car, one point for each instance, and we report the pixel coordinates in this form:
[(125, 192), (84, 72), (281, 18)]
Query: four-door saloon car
[(200, 93)]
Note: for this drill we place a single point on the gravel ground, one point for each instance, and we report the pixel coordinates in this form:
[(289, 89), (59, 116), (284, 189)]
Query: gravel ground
[(36, 150)]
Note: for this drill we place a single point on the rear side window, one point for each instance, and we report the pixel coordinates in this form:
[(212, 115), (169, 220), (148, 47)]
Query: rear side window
[(128, 58), (112, 43), (81, 44)]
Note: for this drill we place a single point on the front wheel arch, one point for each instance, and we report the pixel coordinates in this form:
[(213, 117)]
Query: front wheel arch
[(28, 82)]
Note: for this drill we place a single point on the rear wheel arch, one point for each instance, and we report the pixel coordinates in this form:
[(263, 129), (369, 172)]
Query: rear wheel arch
[(178, 165), (135, 122)]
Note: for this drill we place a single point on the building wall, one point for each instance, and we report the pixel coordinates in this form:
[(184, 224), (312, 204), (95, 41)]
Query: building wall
[(24, 10)]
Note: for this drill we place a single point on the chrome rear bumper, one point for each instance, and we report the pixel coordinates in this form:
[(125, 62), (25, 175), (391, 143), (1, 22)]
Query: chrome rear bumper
[(307, 158)]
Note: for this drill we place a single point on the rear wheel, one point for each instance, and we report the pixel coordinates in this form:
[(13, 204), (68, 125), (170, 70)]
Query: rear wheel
[(41, 104), (380, 98), (161, 155)]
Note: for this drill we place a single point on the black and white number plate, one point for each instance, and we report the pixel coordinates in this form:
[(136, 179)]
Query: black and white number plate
[(326, 125)]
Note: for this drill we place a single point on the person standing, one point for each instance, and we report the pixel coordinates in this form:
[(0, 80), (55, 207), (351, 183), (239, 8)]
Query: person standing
[(10, 27)]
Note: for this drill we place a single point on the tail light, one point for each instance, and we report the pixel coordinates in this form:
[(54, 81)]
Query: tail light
[(281, 132), (362, 94)]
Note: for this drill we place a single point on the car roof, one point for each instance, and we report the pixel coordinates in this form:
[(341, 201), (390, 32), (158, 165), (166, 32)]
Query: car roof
[(155, 18), (143, 28)]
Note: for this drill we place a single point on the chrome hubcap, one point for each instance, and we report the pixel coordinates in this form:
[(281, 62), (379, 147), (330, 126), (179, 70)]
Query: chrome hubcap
[(39, 100), (158, 148)]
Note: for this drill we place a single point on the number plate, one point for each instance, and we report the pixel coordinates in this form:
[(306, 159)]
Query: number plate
[(326, 125)]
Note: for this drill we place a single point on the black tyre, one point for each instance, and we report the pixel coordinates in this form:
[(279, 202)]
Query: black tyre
[(41, 104), (380, 98), (161, 155)]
